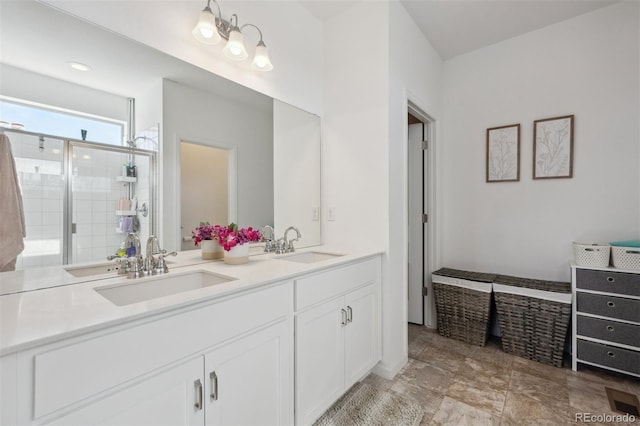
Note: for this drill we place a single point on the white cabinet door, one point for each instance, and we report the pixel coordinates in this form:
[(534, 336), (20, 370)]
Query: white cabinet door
[(319, 359), (167, 398), (362, 333), (250, 380)]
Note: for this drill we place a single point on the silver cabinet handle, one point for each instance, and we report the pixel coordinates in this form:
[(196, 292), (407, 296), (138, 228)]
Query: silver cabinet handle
[(611, 304), (198, 385), (344, 317), (610, 328), (349, 314), (214, 385)]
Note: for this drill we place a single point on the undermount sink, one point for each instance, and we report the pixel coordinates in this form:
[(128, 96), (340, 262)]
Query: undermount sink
[(144, 289), (309, 257), (91, 270), (96, 269)]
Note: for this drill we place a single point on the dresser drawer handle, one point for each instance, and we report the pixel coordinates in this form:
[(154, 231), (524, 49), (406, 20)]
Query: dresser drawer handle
[(611, 279), (611, 304), (611, 354), (610, 328)]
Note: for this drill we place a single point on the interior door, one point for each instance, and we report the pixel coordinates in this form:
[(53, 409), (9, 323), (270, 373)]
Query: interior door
[(416, 224)]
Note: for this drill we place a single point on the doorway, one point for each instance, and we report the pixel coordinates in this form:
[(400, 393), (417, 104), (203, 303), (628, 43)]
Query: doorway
[(420, 140)]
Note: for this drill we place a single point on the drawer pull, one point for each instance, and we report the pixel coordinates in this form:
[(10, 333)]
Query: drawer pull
[(611, 354), (610, 328), (611, 279), (611, 304)]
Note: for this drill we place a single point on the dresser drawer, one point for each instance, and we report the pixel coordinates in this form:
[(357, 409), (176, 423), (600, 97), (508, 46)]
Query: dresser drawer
[(608, 281), (609, 356), (609, 330), (609, 306)]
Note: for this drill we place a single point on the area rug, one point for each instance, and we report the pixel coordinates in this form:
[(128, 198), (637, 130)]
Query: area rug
[(364, 405)]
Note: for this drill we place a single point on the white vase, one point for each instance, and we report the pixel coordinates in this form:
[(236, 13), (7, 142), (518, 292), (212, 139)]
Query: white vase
[(237, 255), (211, 249)]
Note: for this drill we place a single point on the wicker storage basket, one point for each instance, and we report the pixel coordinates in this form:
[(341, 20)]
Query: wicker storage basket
[(594, 255), (626, 254), (533, 317), (463, 304)]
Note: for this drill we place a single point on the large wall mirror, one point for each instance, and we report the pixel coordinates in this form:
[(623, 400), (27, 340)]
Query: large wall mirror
[(222, 147)]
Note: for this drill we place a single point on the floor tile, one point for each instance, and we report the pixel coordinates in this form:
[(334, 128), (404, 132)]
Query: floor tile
[(441, 358), (522, 410), (484, 398), (455, 413), (534, 368), (547, 392), (418, 376)]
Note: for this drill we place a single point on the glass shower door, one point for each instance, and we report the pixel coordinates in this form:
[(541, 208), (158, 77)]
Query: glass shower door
[(108, 199), (40, 167)]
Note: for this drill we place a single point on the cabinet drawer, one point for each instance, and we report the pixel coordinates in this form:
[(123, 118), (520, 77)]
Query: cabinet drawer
[(609, 306), (612, 331), (609, 356), (325, 285), (607, 281)]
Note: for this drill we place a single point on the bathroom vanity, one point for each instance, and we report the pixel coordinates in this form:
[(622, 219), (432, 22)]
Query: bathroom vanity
[(275, 341)]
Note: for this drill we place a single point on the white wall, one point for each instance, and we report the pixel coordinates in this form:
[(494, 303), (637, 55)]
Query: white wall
[(30, 86), (587, 66), (365, 133), (296, 170), (199, 117), (292, 35)]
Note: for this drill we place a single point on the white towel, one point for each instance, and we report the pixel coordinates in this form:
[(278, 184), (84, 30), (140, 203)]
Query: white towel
[(12, 228)]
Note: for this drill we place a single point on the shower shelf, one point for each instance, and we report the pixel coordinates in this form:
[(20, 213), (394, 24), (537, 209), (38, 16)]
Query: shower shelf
[(126, 179)]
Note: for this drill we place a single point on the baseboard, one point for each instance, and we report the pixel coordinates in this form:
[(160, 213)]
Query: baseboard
[(389, 372)]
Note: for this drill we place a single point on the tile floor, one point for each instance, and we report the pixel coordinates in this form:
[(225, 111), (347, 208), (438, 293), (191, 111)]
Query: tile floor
[(460, 384)]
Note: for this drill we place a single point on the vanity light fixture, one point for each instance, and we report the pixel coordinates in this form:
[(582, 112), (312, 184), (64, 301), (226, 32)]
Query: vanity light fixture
[(211, 29)]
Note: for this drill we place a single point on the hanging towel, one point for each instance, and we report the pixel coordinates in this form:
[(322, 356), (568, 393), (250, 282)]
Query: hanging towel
[(12, 228)]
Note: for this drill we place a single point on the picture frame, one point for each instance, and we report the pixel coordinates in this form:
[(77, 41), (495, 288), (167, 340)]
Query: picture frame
[(553, 148), (503, 154)]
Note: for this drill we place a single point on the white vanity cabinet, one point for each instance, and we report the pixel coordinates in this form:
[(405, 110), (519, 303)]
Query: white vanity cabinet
[(228, 361), (337, 340)]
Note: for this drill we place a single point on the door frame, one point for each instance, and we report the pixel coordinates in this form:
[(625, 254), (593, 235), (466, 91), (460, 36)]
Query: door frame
[(429, 188)]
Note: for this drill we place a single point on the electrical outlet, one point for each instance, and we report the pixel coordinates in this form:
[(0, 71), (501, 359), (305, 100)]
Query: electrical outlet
[(315, 214), (331, 214)]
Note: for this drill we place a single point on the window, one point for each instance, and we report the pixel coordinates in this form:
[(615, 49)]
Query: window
[(65, 124)]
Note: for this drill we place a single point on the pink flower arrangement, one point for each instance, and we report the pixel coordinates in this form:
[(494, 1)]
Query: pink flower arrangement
[(206, 232), (228, 236), (231, 236)]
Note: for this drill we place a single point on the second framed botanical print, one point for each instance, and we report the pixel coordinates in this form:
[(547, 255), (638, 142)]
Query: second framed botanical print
[(553, 148), (503, 153)]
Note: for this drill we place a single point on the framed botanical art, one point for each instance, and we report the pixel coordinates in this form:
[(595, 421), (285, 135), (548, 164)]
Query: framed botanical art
[(553, 148), (503, 153)]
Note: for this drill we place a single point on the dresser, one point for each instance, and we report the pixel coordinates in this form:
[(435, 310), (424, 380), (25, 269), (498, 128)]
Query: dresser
[(606, 318)]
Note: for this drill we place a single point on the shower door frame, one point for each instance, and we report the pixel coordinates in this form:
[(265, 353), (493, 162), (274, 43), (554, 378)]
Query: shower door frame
[(67, 221), (67, 168)]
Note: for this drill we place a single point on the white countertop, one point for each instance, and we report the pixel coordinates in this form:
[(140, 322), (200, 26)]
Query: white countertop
[(42, 305)]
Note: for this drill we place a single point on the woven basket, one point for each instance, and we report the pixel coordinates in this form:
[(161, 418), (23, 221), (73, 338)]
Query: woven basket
[(532, 327), (462, 313)]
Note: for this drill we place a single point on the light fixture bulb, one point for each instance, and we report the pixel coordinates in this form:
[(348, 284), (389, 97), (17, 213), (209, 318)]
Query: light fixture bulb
[(78, 66), (205, 30), (261, 59), (234, 49)]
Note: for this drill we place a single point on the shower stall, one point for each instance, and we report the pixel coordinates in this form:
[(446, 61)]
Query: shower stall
[(80, 198)]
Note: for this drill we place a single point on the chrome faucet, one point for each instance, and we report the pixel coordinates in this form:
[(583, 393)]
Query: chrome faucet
[(267, 237), (134, 263), (153, 247), (287, 244)]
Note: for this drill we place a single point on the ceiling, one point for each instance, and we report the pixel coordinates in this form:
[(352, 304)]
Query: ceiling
[(455, 27)]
